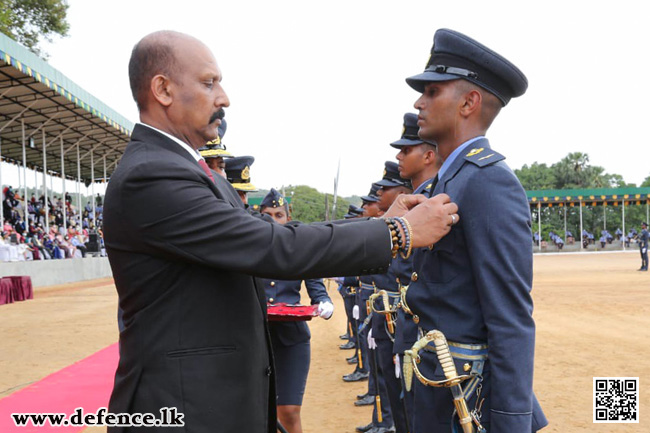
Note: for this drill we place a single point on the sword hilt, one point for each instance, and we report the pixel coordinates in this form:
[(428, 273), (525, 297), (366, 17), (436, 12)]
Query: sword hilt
[(388, 310), (444, 356), (449, 368)]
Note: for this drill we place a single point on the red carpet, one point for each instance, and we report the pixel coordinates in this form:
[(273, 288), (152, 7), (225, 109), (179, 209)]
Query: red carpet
[(87, 384)]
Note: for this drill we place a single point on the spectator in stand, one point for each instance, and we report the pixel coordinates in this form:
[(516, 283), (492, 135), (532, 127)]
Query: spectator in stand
[(67, 248), (74, 240)]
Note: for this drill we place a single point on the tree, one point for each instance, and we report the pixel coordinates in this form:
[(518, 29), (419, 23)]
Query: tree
[(27, 21), (536, 177), (308, 204)]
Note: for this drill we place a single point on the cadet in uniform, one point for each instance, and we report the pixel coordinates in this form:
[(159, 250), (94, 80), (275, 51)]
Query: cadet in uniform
[(474, 285), (238, 173), (290, 340), (215, 151), (347, 290), (643, 246), (370, 203), (380, 359), (419, 163)]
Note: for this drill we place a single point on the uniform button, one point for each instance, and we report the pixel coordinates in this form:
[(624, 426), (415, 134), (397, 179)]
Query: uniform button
[(414, 276), (467, 367), (268, 370), (272, 283), (271, 300)]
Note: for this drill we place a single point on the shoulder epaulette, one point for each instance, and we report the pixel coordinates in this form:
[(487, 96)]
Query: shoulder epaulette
[(483, 157)]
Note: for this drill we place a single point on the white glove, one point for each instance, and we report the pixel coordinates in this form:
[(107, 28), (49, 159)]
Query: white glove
[(398, 368), (325, 309), (371, 341), (643, 250), (355, 312)]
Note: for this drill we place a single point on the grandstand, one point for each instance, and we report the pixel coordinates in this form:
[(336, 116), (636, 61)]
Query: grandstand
[(626, 208), (52, 126)]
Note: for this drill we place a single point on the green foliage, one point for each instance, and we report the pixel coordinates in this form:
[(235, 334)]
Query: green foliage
[(308, 204), (536, 177), (572, 172), (27, 21)]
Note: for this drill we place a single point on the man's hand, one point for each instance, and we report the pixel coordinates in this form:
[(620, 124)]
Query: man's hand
[(402, 204), (432, 219)]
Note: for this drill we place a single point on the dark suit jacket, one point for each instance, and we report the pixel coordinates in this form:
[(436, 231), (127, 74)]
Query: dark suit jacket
[(184, 256), (474, 286)]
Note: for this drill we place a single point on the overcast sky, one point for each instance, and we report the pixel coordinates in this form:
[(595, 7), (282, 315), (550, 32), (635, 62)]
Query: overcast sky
[(312, 82)]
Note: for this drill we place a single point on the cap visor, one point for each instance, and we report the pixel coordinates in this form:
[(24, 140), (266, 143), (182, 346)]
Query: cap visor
[(418, 82), (248, 187), (385, 182), (406, 142), (370, 199)]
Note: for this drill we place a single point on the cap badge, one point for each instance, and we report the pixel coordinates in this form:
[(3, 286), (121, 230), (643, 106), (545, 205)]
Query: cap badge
[(281, 201), (246, 173), (475, 151)]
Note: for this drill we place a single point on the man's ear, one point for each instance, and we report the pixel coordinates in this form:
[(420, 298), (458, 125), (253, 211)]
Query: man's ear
[(160, 89), (471, 102), (429, 156)]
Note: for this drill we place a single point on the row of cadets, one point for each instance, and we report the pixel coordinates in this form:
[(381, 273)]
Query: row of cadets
[(380, 338)]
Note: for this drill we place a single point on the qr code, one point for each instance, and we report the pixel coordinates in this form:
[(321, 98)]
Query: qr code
[(616, 399)]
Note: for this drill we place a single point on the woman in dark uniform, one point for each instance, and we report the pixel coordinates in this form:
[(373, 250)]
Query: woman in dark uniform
[(290, 340)]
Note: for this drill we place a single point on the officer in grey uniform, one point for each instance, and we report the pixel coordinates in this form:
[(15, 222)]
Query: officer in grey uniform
[(290, 340), (474, 285)]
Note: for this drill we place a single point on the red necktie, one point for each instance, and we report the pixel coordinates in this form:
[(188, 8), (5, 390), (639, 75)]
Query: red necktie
[(205, 168)]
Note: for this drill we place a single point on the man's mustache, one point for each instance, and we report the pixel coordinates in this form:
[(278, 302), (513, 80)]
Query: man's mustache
[(218, 115)]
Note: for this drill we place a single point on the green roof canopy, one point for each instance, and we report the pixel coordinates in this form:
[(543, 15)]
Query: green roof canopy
[(589, 197), (33, 92)]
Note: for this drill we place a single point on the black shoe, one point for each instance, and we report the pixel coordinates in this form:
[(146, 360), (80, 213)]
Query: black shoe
[(352, 360), (345, 336), (348, 345), (365, 428), (356, 376), (366, 401), (361, 396)]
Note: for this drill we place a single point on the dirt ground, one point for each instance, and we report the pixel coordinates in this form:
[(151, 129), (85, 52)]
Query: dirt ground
[(591, 312)]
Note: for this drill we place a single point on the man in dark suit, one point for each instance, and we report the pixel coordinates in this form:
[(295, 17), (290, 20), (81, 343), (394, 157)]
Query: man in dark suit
[(184, 255), (474, 285)]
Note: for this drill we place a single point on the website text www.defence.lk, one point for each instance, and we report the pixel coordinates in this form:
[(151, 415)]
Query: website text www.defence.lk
[(169, 417)]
